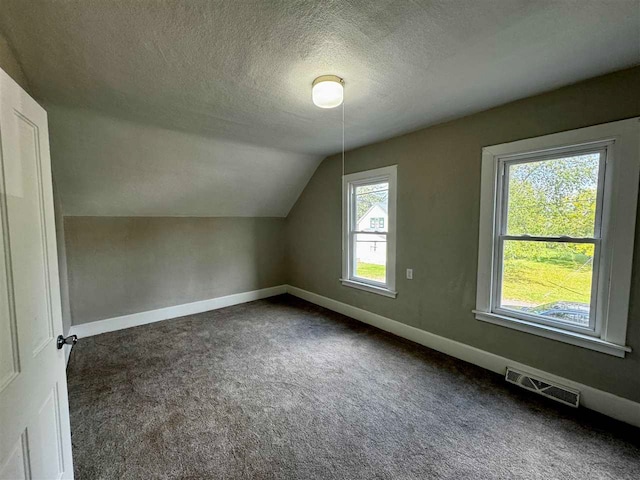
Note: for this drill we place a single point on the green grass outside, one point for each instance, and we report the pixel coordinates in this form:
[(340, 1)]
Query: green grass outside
[(539, 282), (371, 271), (527, 281)]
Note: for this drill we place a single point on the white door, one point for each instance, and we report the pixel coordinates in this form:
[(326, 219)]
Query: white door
[(35, 438)]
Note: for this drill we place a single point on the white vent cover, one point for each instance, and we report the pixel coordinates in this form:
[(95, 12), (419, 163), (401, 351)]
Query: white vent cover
[(560, 393)]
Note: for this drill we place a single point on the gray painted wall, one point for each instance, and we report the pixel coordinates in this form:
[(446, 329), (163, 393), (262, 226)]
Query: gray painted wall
[(10, 64), (137, 242), (438, 211), (120, 265), (107, 166)]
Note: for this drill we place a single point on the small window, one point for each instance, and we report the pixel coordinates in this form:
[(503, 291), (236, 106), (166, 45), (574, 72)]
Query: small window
[(369, 241), (547, 235)]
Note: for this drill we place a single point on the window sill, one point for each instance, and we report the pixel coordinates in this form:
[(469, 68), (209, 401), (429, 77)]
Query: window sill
[(369, 288), (553, 333)]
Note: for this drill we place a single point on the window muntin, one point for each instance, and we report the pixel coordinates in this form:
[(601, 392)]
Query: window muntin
[(369, 230), (548, 238)]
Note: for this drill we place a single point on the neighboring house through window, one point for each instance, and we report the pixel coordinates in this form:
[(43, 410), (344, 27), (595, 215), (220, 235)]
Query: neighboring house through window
[(369, 230), (556, 234)]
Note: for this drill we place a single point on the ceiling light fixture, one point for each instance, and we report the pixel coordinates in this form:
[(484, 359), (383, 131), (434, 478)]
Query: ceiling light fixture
[(327, 91)]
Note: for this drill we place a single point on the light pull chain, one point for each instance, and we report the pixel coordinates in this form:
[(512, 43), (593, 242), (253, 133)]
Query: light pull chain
[(342, 179)]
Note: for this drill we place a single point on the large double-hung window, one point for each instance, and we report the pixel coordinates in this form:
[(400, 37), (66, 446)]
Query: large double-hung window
[(557, 233), (549, 236)]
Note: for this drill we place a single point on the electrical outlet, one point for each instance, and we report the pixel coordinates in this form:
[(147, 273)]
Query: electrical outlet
[(409, 273)]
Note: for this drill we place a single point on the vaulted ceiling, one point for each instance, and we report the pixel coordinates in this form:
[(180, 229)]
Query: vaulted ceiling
[(241, 71)]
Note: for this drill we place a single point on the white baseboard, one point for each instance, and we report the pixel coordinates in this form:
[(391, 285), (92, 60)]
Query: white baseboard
[(592, 398), (151, 316), (598, 400)]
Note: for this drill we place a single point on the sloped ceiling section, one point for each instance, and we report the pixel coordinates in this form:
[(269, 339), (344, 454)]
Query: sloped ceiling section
[(240, 71), (106, 166)]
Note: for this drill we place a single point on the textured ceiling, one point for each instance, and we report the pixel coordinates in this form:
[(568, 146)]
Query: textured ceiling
[(242, 70), (194, 107)]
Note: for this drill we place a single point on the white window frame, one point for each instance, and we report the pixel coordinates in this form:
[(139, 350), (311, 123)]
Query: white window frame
[(619, 145), (349, 184)]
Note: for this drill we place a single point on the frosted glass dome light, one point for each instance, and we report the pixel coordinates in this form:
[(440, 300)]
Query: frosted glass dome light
[(327, 91)]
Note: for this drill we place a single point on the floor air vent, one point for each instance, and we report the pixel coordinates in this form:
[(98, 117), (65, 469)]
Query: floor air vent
[(559, 393)]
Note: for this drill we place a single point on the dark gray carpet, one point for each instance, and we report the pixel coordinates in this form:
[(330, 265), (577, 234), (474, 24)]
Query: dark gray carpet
[(283, 389)]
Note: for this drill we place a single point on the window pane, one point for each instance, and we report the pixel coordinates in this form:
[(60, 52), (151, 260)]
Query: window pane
[(372, 207), (548, 278), (371, 257), (553, 197)]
